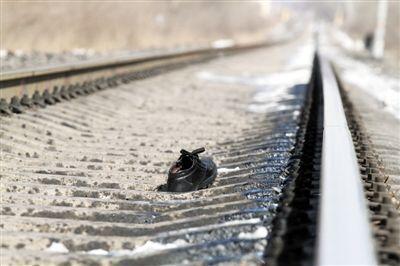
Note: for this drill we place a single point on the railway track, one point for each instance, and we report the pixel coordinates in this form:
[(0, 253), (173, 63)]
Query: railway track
[(284, 194), (70, 80)]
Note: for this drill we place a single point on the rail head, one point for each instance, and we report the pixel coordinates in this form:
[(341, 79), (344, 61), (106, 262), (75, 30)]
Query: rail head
[(344, 232)]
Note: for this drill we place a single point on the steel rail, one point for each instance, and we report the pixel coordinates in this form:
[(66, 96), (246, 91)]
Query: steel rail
[(119, 61), (97, 64), (344, 233)]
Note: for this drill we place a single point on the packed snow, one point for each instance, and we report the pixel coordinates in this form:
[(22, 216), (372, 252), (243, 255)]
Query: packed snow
[(227, 170), (57, 247), (384, 88), (260, 232), (147, 248)]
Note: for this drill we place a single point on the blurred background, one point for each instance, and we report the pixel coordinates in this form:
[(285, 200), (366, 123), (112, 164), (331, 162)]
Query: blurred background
[(109, 25), (101, 26)]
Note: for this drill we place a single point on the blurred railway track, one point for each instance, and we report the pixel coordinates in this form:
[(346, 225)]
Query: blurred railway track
[(54, 83), (269, 205)]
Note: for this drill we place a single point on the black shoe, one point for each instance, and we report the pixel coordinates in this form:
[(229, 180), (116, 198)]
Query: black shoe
[(190, 172)]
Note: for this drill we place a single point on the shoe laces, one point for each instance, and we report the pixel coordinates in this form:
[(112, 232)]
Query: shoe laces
[(193, 155)]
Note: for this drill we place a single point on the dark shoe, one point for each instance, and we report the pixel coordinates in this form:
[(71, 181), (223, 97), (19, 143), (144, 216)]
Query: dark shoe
[(190, 172)]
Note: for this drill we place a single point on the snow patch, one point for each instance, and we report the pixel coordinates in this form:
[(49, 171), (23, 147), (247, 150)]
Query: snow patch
[(284, 78), (57, 247), (262, 108), (82, 52), (272, 88), (19, 53), (148, 248), (222, 43), (227, 170), (260, 232), (238, 222), (277, 189), (98, 252), (303, 57), (3, 53), (384, 88), (345, 41)]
